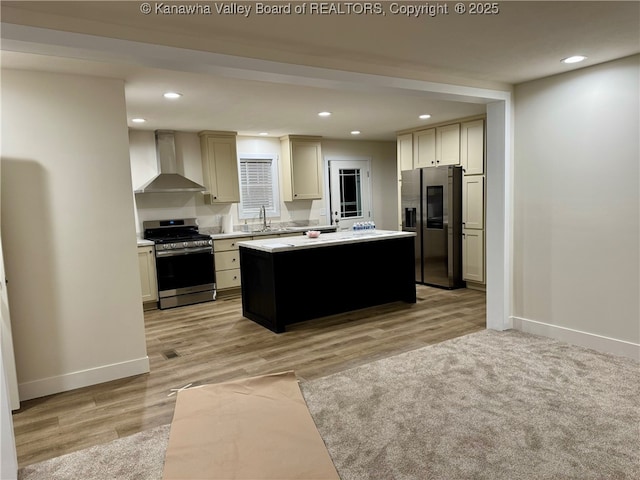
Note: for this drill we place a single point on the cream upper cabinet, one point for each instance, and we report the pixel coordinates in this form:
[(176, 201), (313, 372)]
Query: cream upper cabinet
[(448, 145), (473, 202), (472, 147), (220, 166), (404, 146), (301, 168), (436, 146), (148, 280), (424, 148), (473, 255)]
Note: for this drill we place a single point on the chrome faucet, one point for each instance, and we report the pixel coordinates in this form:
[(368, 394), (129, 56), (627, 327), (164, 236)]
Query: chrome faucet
[(263, 215)]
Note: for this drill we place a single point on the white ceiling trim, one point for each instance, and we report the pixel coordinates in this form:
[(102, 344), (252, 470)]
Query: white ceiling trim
[(43, 41)]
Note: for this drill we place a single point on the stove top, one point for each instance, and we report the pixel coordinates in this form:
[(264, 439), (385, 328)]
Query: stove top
[(177, 233)]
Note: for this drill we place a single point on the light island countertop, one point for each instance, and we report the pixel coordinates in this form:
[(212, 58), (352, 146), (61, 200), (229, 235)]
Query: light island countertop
[(274, 245), (274, 231)]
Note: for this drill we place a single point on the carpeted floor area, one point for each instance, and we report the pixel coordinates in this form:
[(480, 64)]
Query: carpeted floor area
[(490, 405)]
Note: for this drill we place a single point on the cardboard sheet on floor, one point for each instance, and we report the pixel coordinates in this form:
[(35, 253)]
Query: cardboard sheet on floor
[(252, 429)]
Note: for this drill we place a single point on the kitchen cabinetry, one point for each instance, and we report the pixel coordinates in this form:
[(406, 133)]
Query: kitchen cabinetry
[(448, 145), (461, 142), (227, 263), (220, 166), (424, 148), (301, 167), (472, 147), (404, 147), (148, 279), (473, 255), (473, 201), (227, 259), (437, 146), (271, 275)]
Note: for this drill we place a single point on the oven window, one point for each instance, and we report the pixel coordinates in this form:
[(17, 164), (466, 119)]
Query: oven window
[(184, 271)]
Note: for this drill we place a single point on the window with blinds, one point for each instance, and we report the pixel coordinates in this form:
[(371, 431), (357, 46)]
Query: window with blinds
[(258, 186)]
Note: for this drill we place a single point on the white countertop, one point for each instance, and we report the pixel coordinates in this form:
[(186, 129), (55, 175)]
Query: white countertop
[(219, 236), (286, 244), (275, 231)]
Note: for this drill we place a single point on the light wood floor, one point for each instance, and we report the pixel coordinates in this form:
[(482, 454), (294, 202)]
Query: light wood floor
[(213, 342)]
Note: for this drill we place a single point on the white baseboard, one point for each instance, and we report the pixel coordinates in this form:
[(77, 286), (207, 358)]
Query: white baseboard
[(82, 378), (576, 337)]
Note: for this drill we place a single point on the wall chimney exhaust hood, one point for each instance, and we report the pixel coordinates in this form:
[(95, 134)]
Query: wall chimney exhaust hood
[(167, 180)]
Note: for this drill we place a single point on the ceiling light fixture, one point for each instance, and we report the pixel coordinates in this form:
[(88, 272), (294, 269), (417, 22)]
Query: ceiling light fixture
[(138, 120), (263, 134), (424, 116), (573, 59), (324, 114), (172, 95), (355, 132)]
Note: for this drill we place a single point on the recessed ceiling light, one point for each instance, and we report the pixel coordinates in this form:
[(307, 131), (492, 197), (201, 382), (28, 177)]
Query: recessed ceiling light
[(138, 120), (424, 116), (324, 114), (172, 95), (574, 59), (355, 132), (263, 134)]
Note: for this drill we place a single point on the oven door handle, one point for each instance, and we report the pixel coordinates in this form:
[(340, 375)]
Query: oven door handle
[(183, 251)]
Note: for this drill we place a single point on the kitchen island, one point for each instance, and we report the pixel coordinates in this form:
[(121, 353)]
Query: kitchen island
[(292, 279)]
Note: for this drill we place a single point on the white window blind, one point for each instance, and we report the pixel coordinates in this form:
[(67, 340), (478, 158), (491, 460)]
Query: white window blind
[(258, 186)]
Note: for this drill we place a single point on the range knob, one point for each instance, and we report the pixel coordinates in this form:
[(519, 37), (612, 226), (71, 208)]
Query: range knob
[(184, 244)]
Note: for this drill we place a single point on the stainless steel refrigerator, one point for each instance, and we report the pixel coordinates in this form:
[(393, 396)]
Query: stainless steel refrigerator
[(432, 208)]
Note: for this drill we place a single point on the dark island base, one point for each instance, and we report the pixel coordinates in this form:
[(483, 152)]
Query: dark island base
[(282, 288)]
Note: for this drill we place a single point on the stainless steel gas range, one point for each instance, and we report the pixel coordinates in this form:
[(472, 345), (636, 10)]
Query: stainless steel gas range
[(184, 262)]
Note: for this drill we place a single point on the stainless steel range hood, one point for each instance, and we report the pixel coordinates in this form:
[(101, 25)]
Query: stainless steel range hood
[(167, 180)]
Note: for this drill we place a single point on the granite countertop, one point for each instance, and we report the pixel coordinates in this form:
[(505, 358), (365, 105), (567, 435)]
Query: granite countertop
[(273, 245)]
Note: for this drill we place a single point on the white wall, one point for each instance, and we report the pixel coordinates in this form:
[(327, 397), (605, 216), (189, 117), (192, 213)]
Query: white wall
[(153, 206), (68, 232), (576, 220)]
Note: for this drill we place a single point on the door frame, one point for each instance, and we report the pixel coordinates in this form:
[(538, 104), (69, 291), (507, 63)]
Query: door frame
[(327, 181)]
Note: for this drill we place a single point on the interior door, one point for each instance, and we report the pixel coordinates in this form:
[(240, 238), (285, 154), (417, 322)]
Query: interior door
[(350, 192)]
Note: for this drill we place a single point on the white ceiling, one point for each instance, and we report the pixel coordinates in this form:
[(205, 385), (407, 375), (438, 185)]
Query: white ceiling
[(197, 55)]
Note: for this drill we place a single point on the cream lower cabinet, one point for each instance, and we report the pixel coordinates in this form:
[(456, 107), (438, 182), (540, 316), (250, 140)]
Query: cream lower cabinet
[(226, 256), (227, 262), (473, 255), (148, 279)]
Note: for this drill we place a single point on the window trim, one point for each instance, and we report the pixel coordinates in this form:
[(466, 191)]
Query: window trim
[(245, 214)]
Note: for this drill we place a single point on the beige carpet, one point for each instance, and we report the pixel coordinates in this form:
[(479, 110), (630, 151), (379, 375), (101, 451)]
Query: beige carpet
[(490, 405)]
